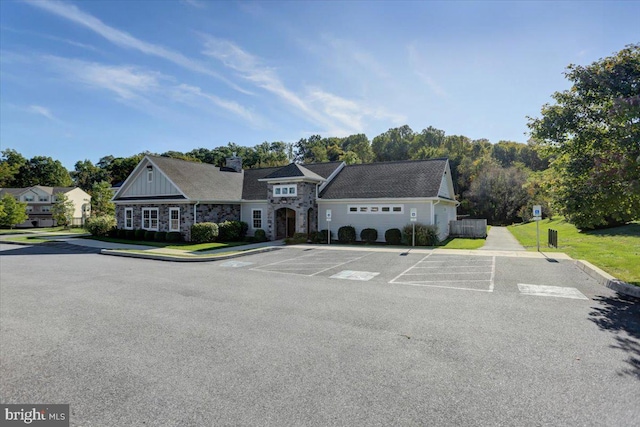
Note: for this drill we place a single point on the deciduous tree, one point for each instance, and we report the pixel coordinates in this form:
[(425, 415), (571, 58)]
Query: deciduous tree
[(593, 131), (13, 211), (62, 210)]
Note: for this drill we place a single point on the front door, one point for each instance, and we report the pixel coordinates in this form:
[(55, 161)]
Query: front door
[(285, 223)]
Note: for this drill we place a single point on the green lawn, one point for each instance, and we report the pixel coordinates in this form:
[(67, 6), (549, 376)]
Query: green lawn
[(462, 243), (28, 239), (615, 250), (41, 230), (187, 247)]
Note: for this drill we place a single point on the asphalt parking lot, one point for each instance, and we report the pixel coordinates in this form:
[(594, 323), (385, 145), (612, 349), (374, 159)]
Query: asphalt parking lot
[(316, 337)]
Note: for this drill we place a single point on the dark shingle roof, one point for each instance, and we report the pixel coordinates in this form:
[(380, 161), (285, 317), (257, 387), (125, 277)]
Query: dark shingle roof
[(257, 190), (252, 189), (293, 170), (417, 178), (201, 181), (323, 169)]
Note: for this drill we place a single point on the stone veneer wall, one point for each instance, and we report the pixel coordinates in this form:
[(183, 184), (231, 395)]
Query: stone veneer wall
[(305, 199), (205, 213)]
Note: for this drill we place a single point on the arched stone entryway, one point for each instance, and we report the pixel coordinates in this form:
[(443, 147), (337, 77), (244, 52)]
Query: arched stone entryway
[(285, 223)]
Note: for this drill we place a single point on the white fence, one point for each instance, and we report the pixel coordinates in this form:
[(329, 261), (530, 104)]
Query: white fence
[(474, 228)]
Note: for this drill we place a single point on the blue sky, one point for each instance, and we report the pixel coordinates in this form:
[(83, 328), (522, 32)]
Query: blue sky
[(81, 80)]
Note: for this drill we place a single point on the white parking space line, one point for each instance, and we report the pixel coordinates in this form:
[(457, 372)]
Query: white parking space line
[(448, 274), (446, 287), (408, 269), (342, 263), (550, 291), (307, 265), (438, 273)]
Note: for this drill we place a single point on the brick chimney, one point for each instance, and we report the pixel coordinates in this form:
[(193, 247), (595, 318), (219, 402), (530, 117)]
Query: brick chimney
[(234, 163)]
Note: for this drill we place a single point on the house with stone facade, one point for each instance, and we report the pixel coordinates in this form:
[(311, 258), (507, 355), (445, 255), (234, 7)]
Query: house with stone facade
[(166, 194)]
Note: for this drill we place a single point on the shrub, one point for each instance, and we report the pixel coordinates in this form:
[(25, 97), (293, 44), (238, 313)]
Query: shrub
[(149, 235), (100, 225), (244, 227), (173, 236), (321, 236), (369, 235), (426, 235), (296, 239), (231, 231), (138, 234), (393, 236), (160, 236), (346, 234), (122, 234), (204, 232), (259, 235), (129, 234), (114, 232)]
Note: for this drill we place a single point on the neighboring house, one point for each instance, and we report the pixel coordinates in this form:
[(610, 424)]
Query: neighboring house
[(40, 200), (165, 194)]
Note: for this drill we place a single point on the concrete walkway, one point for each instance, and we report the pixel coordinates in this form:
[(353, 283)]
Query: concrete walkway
[(501, 239)]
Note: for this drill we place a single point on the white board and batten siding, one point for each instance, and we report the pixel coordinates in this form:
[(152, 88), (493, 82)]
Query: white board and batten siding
[(158, 185), (341, 215)]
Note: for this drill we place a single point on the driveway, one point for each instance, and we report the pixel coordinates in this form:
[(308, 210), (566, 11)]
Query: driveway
[(317, 337)]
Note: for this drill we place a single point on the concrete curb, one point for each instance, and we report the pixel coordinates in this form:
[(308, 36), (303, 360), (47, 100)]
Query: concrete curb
[(175, 258), (607, 280)]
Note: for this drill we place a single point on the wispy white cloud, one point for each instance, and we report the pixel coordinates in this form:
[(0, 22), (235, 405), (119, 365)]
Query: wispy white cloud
[(198, 4), (421, 68), (42, 111), (142, 88), (127, 82), (50, 37), (126, 40), (350, 115), (250, 68), (335, 114)]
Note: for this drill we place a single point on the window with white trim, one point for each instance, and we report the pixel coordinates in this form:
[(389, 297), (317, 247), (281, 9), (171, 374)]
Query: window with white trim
[(128, 218), (174, 219), (29, 209), (28, 198), (45, 209), (150, 219), (150, 175), (375, 209), (285, 190), (256, 216), (43, 198)]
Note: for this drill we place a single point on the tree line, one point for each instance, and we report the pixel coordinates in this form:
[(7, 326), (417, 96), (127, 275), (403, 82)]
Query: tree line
[(509, 164), (582, 160)]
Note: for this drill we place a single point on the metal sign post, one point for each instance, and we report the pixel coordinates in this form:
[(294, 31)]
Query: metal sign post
[(537, 216), (413, 218), (328, 226)]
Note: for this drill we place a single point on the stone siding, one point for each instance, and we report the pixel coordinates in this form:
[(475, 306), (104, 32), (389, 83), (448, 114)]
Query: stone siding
[(205, 213), (301, 203)]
